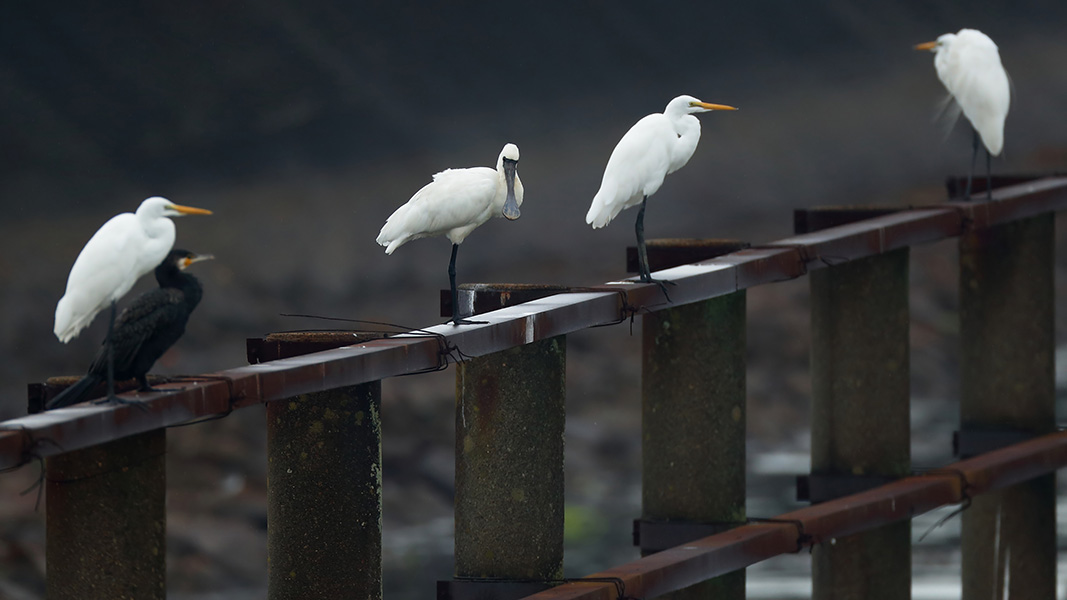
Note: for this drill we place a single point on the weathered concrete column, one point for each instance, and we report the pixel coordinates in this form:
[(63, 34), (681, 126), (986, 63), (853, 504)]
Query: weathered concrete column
[(693, 422), (106, 520), (324, 505), (860, 414), (1007, 359), (509, 463)]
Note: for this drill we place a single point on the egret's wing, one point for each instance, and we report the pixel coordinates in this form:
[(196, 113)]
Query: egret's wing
[(635, 169), (104, 270)]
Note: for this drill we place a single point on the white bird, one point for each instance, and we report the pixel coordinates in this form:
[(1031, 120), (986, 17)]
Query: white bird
[(968, 64), (657, 145), (119, 253), (454, 204)]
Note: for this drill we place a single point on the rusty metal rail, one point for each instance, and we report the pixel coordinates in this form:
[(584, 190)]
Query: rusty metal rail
[(215, 393), (715, 555)]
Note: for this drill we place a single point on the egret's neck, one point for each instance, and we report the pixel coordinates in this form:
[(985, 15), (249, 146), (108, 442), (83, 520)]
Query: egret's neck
[(688, 129), (156, 226)]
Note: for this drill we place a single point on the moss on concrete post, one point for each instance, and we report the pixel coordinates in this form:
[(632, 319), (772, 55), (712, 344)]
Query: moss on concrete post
[(693, 421), (106, 520), (1007, 359), (860, 414), (324, 505), (509, 462)]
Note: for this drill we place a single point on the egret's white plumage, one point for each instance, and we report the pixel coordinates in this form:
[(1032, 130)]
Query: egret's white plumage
[(454, 204), (968, 64), (657, 145), (119, 253)]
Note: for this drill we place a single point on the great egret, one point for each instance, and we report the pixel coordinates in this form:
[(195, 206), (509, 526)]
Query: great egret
[(968, 63), (658, 144), (119, 253), (454, 204), (150, 325)]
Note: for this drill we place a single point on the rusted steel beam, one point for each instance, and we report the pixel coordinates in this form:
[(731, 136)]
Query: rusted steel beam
[(680, 567), (1007, 344), (956, 185), (693, 412), (214, 393), (106, 520)]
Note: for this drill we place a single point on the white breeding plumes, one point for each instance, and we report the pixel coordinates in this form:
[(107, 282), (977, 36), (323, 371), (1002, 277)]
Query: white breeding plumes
[(119, 253), (658, 144), (968, 64), (454, 204)]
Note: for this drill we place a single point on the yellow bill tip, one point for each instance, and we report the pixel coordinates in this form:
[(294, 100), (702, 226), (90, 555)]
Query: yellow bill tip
[(926, 46)]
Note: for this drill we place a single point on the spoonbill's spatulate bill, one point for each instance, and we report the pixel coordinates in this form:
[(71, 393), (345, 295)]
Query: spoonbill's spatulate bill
[(119, 253), (658, 144), (454, 204), (968, 63), (150, 325)]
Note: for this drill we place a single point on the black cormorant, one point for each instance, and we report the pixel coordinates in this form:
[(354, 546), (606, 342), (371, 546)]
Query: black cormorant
[(150, 325)]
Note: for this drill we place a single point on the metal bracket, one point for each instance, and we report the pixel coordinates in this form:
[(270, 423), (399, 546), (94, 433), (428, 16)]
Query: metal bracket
[(818, 487), (488, 589), (665, 253), (657, 536), (289, 344), (478, 298), (972, 442)]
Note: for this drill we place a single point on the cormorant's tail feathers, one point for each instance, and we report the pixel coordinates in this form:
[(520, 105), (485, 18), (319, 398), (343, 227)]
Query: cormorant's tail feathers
[(75, 393)]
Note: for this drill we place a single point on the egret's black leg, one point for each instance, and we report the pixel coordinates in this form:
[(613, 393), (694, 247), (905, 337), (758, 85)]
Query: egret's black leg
[(970, 174), (988, 176), (455, 293), (111, 356), (642, 252)]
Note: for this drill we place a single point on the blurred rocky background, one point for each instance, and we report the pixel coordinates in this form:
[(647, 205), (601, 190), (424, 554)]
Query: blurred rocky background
[(304, 124)]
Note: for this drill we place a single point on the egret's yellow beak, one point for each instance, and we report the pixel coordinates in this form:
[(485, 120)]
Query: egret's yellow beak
[(710, 106), (926, 46), (189, 210)]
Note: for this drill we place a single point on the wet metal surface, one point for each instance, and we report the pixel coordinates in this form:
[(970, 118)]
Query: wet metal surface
[(362, 362), (716, 555), (956, 185)]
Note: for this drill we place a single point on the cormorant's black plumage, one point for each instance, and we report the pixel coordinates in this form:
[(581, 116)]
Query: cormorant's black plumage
[(150, 325)]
